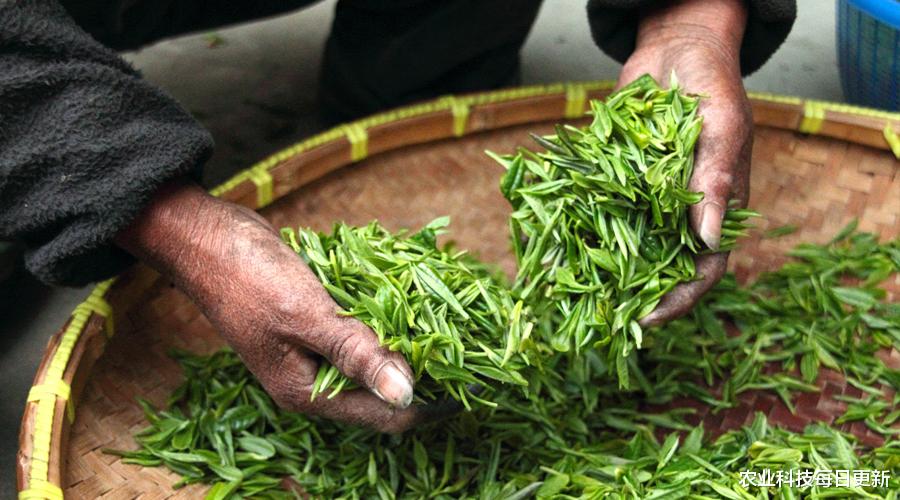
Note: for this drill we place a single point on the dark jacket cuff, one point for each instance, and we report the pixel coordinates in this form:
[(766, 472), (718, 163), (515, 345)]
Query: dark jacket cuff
[(84, 144)]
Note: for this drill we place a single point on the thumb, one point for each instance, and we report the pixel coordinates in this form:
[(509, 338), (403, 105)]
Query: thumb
[(354, 350), (721, 167)]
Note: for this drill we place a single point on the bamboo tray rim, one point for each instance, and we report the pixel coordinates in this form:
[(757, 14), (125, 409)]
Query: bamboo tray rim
[(50, 408)]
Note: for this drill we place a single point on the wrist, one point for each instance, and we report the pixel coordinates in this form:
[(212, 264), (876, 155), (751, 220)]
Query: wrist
[(168, 229), (718, 23)]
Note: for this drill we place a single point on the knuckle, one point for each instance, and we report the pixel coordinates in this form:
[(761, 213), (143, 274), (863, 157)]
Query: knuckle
[(289, 315), (344, 349), (289, 381), (286, 308)]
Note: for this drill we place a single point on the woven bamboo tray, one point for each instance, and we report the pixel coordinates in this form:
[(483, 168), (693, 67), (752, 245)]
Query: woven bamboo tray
[(815, 165)]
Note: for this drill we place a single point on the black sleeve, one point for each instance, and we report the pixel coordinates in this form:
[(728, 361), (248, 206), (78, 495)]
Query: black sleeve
[(84, 143), (614, 27)]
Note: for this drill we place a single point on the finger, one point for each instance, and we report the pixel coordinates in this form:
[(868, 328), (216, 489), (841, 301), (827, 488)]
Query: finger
[(291, 387), (311, 321), (682, 298), (721, 162), (354, 350), (359, 407)]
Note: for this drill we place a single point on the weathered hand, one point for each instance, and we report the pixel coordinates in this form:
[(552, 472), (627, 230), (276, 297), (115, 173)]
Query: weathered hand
[(700, 41), (271, 308)]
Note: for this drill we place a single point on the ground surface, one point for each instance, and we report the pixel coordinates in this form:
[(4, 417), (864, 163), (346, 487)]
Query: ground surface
[(255, 92)]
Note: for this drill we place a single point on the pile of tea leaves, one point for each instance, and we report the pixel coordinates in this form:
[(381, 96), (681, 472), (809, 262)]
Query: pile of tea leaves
[(572, 434), (600, 223), (450, 316)]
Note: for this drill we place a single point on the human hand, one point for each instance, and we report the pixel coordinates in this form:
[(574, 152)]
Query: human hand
[(700, 41), (271, 308)]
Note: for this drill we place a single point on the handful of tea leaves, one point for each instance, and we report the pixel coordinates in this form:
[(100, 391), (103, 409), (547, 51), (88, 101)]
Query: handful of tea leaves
[(600, 224), (448, 315)]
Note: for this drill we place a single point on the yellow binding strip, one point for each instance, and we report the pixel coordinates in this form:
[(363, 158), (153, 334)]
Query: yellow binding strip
[(261, 177), (576, 98), (96, 303), (359, 140), (41, 490), (779, 99), (52, 390), (859, 111), (813, 116), (892, 139), (52, 387), (58, 388), (460, 111)]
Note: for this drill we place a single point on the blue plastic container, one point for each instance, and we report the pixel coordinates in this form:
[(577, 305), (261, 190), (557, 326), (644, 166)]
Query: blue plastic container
[(868, 45)]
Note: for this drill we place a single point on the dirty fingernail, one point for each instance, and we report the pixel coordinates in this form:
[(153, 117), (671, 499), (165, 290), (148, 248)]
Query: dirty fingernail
[(711, 224), (392, 386)]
